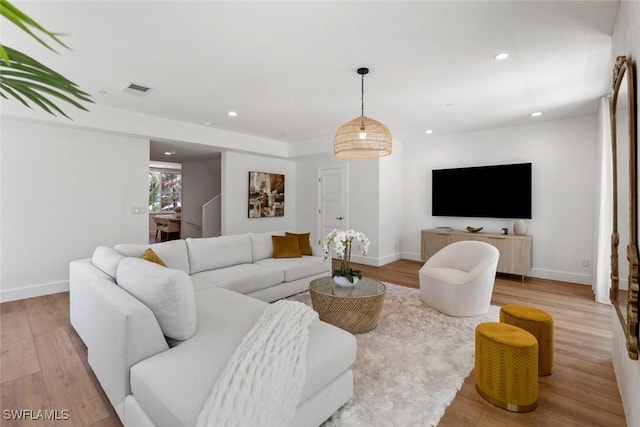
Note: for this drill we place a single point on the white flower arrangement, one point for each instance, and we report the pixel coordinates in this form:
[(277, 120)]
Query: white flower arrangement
[(342, 240)]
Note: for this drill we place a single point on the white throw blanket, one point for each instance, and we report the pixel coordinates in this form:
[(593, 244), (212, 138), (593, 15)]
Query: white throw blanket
[(262, 382)]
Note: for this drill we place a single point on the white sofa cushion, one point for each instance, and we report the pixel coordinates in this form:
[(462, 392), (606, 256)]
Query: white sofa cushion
[(167, 292), (217, 252), (242, 278), (107, 260), (298, 268), (173, 253), (172, 392), (261, 245)]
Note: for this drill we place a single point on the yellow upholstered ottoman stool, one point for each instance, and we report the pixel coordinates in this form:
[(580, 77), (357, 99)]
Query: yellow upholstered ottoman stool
[(538, 323), (506, 366)]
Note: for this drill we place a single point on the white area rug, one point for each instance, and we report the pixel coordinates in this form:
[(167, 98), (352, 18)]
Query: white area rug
[(409, 369)]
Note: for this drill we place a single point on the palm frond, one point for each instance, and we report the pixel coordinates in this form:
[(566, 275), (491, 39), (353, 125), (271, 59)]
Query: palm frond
[(39, 72), (4, 88), (3, 55), (37, 99), (16, 83), (27, 79), (24, 22)]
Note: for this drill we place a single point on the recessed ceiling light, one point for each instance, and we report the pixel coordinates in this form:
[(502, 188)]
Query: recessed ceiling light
[(536, 114), (501, 56), (206, 123), (169, 153), (428, 131), (232, 114)]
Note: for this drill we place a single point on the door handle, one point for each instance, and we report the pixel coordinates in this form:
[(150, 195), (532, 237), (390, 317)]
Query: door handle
[(340, 218)]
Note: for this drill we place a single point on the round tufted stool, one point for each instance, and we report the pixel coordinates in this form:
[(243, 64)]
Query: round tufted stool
[(506, 366), (538, 323)]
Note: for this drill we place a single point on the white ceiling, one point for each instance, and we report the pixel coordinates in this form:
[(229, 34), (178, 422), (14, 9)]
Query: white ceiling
[(288, 68), (180, 152)]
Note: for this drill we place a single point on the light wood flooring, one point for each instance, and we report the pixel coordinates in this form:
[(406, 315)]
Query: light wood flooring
[(582, 391), (44, 362), (44, 366)]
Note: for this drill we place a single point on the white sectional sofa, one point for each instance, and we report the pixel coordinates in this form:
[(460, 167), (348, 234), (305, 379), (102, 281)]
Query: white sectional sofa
[(159, 337)]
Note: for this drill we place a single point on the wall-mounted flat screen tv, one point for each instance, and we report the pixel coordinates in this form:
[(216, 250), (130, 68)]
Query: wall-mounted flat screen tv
[(498, 191)]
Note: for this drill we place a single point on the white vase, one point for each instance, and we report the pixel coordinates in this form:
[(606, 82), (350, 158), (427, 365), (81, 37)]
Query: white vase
[(344, 282), (520, 227)]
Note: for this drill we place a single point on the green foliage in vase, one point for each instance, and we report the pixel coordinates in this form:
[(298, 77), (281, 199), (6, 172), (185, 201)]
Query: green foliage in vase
[(27, 80), (349, 273)]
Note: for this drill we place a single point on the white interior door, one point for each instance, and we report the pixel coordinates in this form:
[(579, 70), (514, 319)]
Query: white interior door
[(332, 212)]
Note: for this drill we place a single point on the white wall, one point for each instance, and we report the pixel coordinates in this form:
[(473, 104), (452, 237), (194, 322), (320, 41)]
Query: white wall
[(626, 41), (235, 193), (391, 188), (363, 195), (564, 157), (201, 181), (64, 192), (563, 154)]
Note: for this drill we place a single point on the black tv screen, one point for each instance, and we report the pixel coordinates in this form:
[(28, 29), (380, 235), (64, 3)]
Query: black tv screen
[(499, 191)]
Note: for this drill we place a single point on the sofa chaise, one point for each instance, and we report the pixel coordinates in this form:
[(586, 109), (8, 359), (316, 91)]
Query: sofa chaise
[(159, 337)]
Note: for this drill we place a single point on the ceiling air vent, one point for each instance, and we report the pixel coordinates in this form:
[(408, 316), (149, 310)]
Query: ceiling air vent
[(136, 89)]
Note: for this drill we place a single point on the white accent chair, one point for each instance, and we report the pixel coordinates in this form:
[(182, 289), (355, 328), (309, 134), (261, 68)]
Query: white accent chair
[(458, 279)]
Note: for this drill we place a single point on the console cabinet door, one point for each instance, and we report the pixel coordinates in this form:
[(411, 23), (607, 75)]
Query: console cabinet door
[(515, 251), (434, 242)]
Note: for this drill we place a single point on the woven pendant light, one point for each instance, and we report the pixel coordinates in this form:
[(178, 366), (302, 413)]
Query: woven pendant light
[(362, 137)]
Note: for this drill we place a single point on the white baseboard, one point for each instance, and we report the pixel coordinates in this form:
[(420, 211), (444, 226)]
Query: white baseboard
[(376, 262), (388, 259), (541, 273), (13, 294), (562, 276), (365, 260), (412, 256)]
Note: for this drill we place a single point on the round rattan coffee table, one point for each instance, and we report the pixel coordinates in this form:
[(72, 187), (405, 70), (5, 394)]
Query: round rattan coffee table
[(354, 309)]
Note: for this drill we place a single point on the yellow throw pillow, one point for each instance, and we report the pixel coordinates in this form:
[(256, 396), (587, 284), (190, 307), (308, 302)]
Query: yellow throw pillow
[(285, 247), (303, 241), (151, 256)]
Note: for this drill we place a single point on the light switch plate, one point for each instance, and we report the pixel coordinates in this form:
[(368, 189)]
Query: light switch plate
[(138, 210)]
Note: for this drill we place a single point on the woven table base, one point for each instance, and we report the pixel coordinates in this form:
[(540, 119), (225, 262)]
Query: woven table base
[(353, 314)]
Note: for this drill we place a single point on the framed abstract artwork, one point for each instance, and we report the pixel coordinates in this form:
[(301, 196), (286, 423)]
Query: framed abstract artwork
[(266, 194)]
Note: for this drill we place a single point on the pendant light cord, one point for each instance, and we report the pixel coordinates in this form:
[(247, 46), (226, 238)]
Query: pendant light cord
[(362, 95)]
